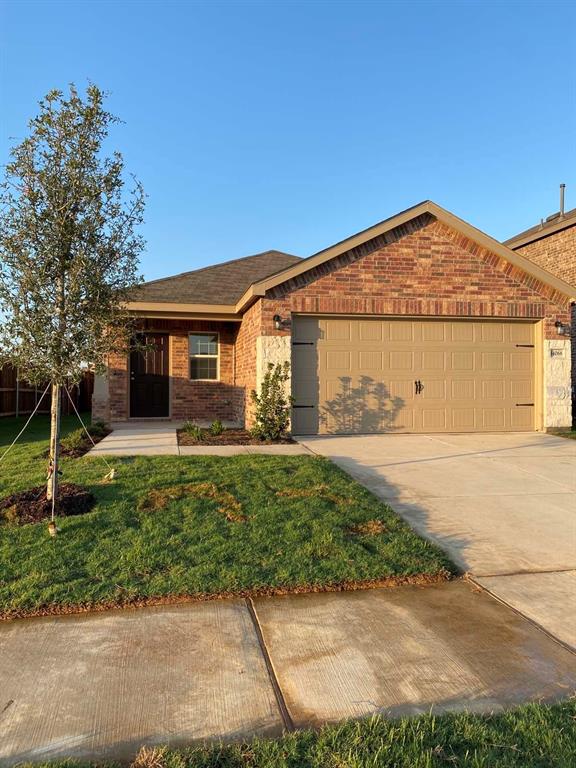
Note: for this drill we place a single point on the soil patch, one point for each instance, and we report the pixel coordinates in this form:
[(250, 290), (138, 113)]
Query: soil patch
[(32, 506), (228, 437), (227, 505)]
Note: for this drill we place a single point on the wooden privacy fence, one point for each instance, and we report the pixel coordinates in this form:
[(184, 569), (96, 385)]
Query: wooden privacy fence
[(19, 397)]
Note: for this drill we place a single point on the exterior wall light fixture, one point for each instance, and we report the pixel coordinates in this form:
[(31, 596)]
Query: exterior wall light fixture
[(278, 322), (562, 328)]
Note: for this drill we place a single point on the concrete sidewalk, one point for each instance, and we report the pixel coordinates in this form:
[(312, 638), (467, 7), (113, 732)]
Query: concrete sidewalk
[(502, 505), (150, 438), (100, 686)]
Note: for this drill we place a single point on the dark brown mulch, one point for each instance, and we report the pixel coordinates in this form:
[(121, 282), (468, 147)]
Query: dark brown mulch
[(79, 449), (32, 506), (228, 437), (75, 453)]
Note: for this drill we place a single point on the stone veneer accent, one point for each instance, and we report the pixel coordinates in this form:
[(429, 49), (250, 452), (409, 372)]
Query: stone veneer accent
[(272, 349), (557, 390)]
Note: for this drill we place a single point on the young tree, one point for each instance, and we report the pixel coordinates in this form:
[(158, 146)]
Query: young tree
[(69, 248)]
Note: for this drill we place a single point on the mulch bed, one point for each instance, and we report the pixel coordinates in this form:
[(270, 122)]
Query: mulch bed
[(228, 437), (32, 506)]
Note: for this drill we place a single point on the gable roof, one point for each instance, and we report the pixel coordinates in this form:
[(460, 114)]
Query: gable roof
[(259, 288), (220, 284), (553, 224)]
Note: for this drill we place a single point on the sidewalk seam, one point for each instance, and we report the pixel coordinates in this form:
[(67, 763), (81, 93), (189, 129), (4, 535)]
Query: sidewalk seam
[(280, 700)]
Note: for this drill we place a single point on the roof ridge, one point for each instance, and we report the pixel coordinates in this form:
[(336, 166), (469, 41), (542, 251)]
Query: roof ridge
[(219, 264)]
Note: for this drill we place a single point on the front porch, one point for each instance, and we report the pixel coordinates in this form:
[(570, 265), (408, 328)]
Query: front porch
[(185, 369)]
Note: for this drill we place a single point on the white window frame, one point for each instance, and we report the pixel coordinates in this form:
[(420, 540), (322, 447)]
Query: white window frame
[(204, 357)]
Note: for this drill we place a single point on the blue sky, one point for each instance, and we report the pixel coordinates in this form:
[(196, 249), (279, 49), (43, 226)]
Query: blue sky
[(293, 125)]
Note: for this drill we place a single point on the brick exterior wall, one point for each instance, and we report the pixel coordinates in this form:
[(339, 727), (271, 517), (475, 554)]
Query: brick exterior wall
[(247, 334), (423, 268), (195, 400), (556, 253)]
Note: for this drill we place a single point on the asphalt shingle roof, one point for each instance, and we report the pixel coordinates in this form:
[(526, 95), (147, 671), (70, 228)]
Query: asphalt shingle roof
[(543, 229), (219, 284)]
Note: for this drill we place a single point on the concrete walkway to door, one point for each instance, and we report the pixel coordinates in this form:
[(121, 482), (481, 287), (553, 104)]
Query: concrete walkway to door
[(502, 505)]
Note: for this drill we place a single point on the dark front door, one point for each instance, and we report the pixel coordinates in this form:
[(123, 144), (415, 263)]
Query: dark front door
[(149, 387)]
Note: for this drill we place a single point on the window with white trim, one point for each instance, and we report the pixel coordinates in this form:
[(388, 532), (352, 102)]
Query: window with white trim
[(203, 349)]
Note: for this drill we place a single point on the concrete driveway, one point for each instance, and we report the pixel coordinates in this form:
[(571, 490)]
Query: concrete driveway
[(502, 505)]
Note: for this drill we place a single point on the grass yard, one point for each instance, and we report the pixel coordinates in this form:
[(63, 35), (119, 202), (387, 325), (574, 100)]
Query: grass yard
[(172, 526), (533, 736), (570, 434)]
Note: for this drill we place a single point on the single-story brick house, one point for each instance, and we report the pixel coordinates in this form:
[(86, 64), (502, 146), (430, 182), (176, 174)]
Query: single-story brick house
[(421, 323)]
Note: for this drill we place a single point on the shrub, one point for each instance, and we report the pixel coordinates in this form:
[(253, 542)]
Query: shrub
[(193, 430), (74, 441), (98, 429), (273, 404), (216, 428)]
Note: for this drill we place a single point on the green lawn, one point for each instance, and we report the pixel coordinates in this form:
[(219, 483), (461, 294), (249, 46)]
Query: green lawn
[(141, 543), (534, 736), (571, 435)]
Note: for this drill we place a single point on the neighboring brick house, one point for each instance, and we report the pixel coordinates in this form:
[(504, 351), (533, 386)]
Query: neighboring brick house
[(552, 245), (420, 323)]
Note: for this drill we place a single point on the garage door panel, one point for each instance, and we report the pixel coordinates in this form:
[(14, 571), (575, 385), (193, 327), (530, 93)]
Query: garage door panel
[(521, 418), (401, 360), (522, 389), (463, 419), (462, 360), (492, 361), (401, 331), (462, 332), (371, 331), (360, 375), (492, 332), (463, 389), (432, 331), (337, 360), (494, 418), (520, 361), (520, 333), (338, 330), (433, 389), (433, 360), (370, 360), (434, 419)]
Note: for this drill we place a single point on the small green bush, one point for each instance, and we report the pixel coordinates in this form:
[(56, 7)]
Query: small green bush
[(216, 428), (74, 441), (273, 404), (98, 429), (193, 430)]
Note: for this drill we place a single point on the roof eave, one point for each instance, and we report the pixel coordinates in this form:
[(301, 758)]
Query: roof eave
[(525, 239), (174, 310)]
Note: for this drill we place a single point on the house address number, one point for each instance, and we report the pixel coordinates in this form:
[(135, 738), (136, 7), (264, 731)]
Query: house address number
[(555, 352)]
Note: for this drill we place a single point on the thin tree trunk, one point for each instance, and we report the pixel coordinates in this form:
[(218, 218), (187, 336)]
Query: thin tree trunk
[(52, 487)]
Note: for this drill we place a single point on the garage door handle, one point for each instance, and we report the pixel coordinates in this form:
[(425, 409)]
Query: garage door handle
[(418, 386), (524, 404)]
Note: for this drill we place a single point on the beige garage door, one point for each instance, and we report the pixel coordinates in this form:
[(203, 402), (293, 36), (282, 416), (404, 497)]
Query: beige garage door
[(376, 375)]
